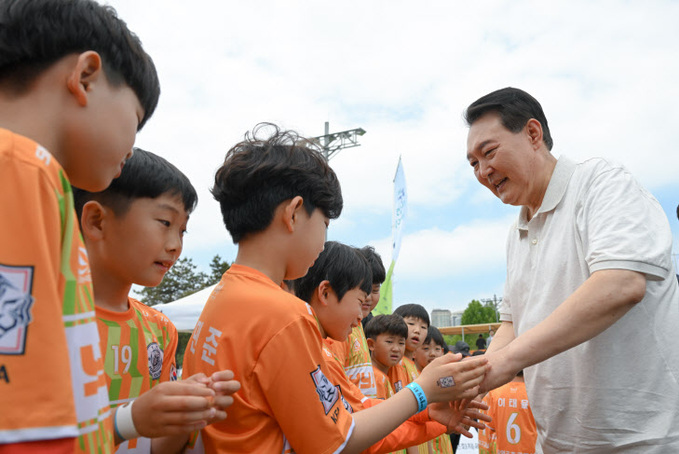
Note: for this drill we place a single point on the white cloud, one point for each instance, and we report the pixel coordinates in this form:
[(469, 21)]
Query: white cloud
[(605, 73)]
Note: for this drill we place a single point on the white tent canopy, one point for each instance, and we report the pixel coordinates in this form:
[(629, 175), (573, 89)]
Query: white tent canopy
[(184, 312)]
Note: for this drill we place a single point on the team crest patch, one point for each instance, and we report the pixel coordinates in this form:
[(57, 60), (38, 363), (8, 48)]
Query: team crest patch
[(398, 386), (155, 355), (346, 404), (328, 393), (16, 284), (173, 373)]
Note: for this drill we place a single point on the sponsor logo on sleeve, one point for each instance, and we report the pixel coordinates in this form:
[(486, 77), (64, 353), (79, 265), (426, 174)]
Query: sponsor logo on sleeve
[(327, 392), (155, 355), (16, 283)]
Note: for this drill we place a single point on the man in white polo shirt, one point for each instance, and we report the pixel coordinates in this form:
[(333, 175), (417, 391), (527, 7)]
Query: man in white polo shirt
[(591, 302)]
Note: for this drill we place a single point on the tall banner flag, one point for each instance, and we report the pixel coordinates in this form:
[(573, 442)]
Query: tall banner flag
[(397, 217)]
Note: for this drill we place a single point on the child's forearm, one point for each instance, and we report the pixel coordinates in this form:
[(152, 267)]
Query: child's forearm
[(375, 423)]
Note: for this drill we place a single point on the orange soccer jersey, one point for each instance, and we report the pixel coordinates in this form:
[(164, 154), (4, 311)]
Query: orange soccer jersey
[(487, 442), (513, 422), (384, 387), (400, 375), (51, 371), (271, 341), (354, 355), (417, 429), (138, 347)]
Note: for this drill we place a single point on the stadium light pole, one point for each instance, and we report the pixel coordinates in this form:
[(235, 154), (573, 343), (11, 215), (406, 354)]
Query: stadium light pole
[(332, 143)]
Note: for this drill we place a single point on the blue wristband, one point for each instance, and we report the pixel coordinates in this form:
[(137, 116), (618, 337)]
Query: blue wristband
[(419, 395), (115, 425)]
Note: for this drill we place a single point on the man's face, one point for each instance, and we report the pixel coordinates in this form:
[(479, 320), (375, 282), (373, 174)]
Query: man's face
[(503, 161)]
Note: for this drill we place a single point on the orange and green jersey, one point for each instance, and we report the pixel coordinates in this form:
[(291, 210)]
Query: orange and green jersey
[(513, 422), (138, 347), (354, 355), (52, 384), (441, 445), (384, 387), (487, 441), (400, 375), (384, 391), (416, 429), (403, 373)]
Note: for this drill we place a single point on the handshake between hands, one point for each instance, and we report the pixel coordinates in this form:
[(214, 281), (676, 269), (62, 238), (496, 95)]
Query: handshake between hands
[(181, 407), (451, 387)]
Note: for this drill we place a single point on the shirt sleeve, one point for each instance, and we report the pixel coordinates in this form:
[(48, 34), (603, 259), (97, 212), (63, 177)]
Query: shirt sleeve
[(31, 310), (306, 404), (412, 432), (338, 349), (615, 223)]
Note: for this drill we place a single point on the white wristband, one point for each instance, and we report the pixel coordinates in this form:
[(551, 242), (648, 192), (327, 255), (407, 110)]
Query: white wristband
[(123, 423)]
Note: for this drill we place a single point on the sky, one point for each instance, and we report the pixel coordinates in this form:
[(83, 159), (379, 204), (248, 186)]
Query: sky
[(605, 73)]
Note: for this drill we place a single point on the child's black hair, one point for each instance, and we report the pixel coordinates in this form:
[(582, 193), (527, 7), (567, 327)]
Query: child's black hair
[(386, 324), (259, 174), (413, 310), (343, 266), (35, 34), (434, 334), (145, 175), (376, 265)]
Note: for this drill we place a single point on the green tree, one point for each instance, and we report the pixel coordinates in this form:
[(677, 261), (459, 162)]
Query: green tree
[(217, 268), (180, 281), (182, 341), (478, 313)]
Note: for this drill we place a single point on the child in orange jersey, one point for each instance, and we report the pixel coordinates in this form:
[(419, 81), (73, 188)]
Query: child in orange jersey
[(134, 233), (433, 346), (417, 319), (353, 352), (513, 423), (277, 196), (75, 87), (331, 287), (386, 337), (387, 342)]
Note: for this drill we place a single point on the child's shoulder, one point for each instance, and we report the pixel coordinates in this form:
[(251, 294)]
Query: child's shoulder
[(246, 297), (149, 313), (252, 290), (27, 157)]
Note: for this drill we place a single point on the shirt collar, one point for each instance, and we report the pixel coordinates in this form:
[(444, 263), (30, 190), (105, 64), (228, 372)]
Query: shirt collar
[(555, 190)]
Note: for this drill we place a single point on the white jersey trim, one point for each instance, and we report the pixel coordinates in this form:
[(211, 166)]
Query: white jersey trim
[(37, 434)]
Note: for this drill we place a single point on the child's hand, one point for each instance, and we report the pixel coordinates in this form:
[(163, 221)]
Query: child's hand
[(223, 384), (447, 378), (459, 415), (172, 408)]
